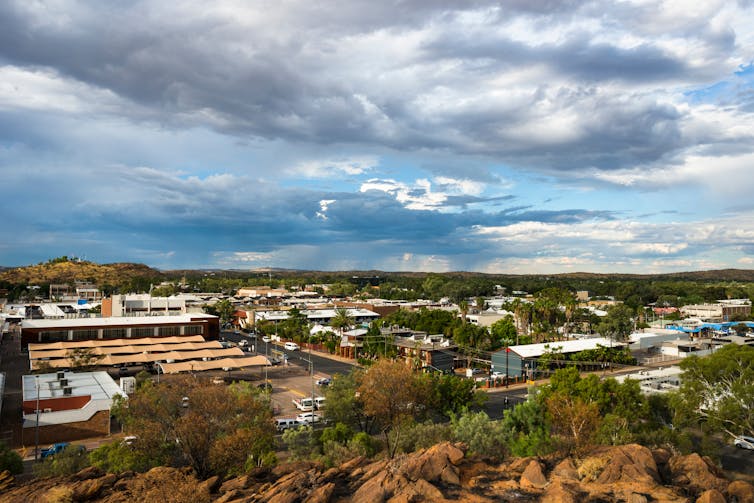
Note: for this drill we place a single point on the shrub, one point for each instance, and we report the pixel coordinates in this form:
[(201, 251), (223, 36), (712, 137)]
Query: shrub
[(591, 469), (303, 443), (10, 460), (70, 460), (364, 444), (424, 435), (482, 435)]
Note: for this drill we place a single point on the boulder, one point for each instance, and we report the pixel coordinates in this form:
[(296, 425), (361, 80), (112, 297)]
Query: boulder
[(533, 476), (629, 463), (438, 463), (562, 492), (211, 484), (372, 491), (90, 472), (696, 474), (566, 470), (321, 494), (742, 491), (85, 490), (239, 483), (711, 496)]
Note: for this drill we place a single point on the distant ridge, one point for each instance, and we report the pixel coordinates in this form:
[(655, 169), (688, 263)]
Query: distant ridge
[(60, 271), (68, 271)]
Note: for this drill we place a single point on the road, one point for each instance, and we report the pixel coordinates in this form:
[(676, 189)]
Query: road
[(322, 364)]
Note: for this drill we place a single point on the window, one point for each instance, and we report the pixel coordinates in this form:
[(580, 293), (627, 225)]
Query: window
[(193, 330), (113, 333), (54, 335), (174, 330), (142, 332), (84, 335)]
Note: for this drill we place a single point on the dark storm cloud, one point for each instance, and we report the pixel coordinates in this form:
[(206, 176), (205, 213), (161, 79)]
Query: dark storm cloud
[(293, 84)]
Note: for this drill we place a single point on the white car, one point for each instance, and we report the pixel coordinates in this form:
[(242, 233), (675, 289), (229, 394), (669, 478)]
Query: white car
[(291, 346), (266, 338), (744, 442), (308, 418)]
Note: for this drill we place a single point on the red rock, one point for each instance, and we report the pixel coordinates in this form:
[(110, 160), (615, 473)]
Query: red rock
[(533, 476), (711, 496), (742, 491)]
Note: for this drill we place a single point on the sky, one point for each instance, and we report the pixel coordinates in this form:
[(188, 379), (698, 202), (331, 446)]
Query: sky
[(510, 137)]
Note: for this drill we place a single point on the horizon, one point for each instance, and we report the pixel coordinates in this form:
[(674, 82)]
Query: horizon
[(498, 138)]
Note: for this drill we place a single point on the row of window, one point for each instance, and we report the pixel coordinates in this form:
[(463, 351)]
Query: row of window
[(119, 333)]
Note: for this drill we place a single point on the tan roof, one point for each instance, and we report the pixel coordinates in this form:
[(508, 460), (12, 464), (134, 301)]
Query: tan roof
[(225, 363), (99, 343), (145, 358), (39, 354)]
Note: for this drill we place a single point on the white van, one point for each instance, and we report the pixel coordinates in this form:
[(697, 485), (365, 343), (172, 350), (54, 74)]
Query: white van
[(291, 346), (284, 424)]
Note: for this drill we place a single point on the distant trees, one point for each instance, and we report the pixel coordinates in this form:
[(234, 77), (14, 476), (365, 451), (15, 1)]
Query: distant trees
[(618, 324)]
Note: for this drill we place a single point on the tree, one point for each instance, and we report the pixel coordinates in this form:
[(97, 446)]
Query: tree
[(392, 394), (575, 420), (217, 430), (341, 319), (222, 309), (503, 332), (344, 404), (719, 389), (83, 358), (618, 323), (10, 460)]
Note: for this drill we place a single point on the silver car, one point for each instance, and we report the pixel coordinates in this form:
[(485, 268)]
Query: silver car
[(744, 442)]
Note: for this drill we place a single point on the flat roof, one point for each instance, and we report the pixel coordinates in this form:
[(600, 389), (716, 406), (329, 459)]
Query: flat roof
[(98, 385), (570, 346), (115, 321)]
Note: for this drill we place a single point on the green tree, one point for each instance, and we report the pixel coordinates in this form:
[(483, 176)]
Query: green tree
[(344, 405), (10, 460), (503, 332), (618, 323), (719, 389), (83, 358), (70, 460), (341, 320)]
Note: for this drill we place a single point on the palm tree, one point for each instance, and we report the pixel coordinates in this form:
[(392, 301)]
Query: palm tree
[(463, 307), (341, 319)]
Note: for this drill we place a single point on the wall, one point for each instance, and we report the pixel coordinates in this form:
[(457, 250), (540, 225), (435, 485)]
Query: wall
[(97, 426)]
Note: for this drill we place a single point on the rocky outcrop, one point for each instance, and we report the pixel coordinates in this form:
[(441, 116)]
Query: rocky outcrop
[(629, 473)]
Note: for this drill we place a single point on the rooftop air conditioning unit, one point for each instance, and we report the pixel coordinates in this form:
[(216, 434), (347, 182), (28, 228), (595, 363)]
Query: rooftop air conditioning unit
[(61, 375), (63, 383), (47, 410), (67, 390)]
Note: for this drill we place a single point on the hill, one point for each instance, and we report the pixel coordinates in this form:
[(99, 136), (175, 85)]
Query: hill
[(68, 271)]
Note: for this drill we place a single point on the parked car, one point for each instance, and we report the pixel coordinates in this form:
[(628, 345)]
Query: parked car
[(284, 424), (266, 338), (744, 442), (308, 418), (291, 346), (53, 449), (243, 343), (324, 381)]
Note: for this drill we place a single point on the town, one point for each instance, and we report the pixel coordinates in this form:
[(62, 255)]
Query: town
[(75, 357)]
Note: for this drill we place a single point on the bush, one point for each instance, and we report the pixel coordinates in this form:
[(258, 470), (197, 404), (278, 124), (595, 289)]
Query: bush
[(303, 443), (10, 460), (424, 435), (70, 460), (591, 469), (117, 457), (364, 444), (483, 436)]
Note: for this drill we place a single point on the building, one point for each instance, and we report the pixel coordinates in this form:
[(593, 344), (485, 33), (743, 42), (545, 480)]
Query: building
[(433, 352), (522, 360), (70, 405), (722, 310), (81, 329), (142, 304)]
